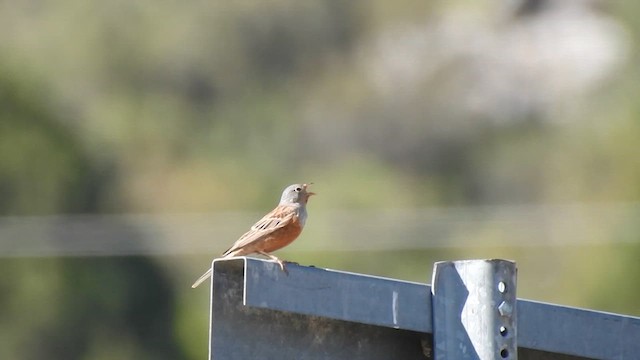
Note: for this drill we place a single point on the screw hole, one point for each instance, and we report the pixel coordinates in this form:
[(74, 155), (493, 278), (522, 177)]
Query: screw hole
[(503, 331), (502, 287), (504, 353)]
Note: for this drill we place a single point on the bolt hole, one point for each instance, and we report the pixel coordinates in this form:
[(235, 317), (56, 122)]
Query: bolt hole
[(504, 353), (503, 331), (502, 287)]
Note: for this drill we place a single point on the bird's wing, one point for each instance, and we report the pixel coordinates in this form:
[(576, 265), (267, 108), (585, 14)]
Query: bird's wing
[(278, 218)]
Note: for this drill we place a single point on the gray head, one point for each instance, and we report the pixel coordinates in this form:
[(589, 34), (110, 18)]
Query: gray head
[(296, 193)]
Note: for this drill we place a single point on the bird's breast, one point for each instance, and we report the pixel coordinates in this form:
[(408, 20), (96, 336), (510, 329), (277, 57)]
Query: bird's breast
[(283, 236)]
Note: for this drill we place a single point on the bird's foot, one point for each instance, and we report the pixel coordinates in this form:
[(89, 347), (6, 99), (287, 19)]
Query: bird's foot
[(283, 267)]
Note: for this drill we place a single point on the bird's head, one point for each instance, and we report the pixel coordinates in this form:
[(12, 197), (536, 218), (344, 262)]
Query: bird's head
[(296, 193)]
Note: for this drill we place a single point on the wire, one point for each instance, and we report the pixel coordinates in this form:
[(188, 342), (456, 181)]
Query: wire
[(327, 230)]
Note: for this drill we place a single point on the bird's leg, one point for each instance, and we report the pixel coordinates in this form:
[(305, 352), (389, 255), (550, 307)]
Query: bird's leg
[(274, 258)]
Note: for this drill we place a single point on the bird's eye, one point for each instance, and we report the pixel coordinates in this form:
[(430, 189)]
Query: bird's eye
[(298, 189)]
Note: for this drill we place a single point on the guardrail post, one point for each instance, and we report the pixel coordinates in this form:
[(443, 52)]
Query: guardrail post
[(474, 310)]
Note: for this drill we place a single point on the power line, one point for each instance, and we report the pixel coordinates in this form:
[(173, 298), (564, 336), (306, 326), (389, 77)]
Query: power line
[(347, 230)]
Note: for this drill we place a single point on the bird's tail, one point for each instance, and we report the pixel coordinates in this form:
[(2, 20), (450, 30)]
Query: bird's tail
[(201, 279)]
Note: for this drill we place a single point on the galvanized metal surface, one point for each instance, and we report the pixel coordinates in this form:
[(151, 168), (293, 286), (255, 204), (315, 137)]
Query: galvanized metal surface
[(244, 332), (336, 315), (338, 295), (474, 310), (586, 333)]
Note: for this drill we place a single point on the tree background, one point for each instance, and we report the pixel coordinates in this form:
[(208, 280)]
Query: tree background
[(139, 139)]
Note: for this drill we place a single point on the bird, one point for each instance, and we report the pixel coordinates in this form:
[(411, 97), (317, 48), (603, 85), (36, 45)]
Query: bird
[(279, 228)]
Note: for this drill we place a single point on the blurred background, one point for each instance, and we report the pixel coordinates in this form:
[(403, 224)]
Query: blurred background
[(138, 140)]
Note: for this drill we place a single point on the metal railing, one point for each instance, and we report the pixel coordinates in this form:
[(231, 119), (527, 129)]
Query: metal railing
[(470, 312)]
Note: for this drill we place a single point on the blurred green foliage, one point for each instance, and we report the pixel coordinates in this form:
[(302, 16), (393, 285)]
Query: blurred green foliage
[(42, 168), (128, 107)]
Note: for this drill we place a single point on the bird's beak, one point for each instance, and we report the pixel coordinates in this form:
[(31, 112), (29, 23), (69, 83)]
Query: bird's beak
[(309, 193)]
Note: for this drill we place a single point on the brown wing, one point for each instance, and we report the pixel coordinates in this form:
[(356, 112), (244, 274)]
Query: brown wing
[(276, 219)]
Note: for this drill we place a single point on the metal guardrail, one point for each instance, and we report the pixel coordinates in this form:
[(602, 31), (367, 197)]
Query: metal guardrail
[(259, 312)]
